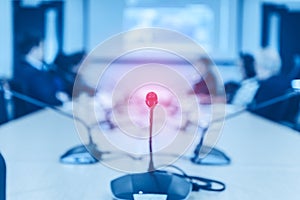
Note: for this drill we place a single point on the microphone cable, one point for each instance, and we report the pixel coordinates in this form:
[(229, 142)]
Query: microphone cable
[(198, 183)]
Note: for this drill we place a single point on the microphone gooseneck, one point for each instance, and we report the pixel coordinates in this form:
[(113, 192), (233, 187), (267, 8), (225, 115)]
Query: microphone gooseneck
[(252, 107), (45, 105), (80, 154), (151, 101), (160, 184)]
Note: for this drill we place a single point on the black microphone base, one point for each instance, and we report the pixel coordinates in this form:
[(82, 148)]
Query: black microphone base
[(213, 157), (78, 155), (158, 184)]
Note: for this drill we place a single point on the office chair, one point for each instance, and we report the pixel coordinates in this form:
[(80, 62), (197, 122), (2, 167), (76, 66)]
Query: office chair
[(2, 178), (3, 111)]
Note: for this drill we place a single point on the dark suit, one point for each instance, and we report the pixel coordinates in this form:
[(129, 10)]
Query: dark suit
[(41, 85), (273, 87)]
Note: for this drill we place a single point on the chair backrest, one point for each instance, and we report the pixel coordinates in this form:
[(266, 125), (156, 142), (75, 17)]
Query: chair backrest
[(2, 178), (3, 111)]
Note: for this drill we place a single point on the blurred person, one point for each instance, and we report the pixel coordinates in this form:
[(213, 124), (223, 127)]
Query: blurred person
[(272, 84), (246, 90), (33, 78), (207, 87), (67, 67), (268, 63)]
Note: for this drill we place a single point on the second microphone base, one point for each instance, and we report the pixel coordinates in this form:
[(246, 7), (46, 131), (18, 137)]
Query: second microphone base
[(78, 155)]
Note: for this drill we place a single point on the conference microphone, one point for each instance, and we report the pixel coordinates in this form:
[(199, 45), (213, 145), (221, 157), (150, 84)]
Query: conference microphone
[(252, 107), (81, 154), (159, 184), (152, 184)]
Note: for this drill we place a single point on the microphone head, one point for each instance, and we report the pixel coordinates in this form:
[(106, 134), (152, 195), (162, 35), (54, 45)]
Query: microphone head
[(151, 99)]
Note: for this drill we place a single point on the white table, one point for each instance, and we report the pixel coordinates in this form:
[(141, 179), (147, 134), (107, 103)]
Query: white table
[(265, 161)]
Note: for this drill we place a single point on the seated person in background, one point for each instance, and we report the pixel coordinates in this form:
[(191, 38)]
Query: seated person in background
[(33, 77), (231, 88), (272, 85), (249, 85), (207, 88), (66, 67)]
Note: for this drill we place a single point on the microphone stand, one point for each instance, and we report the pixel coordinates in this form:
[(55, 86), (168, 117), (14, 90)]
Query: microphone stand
[(197, 160), (151, 165), (151, 101), (81, 154), (160, 184)]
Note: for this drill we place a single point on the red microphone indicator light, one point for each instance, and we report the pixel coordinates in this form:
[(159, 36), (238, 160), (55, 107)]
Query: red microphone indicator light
[(151, 99)]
